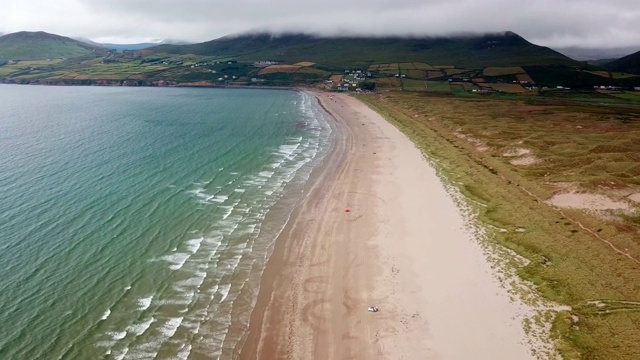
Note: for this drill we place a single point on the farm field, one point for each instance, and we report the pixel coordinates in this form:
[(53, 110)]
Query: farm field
[(389, 83), (627, 95), (423, 66), (500, 71), (508, 88), (604, 74), (416, 74), (438, 86), (279, 68), (434, 74), (451, 72), (414, 85), (524, 78), (402, 66), (462, 87), (512, 159), (619, 75)]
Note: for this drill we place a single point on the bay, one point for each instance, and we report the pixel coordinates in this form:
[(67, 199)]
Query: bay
[(136, 222)]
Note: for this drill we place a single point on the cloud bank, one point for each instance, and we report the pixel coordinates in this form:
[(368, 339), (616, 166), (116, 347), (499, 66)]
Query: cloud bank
[(556, 23)]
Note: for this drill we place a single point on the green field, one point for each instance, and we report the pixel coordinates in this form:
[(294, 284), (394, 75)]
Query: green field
[(413, 85), (462, 88), (407, 66), (627, 95), (438, 86), (423, 66), (619, 75)]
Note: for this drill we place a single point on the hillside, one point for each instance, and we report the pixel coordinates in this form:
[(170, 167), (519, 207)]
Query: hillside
[(488, 63), (40, 45), (628, 64), (505, 49)]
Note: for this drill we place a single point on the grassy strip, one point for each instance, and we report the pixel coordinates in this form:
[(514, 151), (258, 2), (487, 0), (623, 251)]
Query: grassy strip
[(570, 263)]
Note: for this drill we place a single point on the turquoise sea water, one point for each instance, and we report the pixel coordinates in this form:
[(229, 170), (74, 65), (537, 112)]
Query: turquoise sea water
[(135, 222)]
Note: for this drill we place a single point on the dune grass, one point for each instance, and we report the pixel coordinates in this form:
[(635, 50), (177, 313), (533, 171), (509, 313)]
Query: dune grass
[(571, 262)]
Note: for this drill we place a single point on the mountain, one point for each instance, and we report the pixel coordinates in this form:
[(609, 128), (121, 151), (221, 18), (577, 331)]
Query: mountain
[(396, 62), (87, 41), (39, 45), (122, 47), (595, 54), (503, 49), (141, 46), (628, 64)]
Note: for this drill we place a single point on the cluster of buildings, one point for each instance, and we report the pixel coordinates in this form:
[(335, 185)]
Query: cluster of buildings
[(609, 88), (263, 64), (359, 75), (350, 80)]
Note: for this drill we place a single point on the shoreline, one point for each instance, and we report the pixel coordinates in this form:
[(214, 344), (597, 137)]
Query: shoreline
[(333, 160), (403, 247), (144, 84)]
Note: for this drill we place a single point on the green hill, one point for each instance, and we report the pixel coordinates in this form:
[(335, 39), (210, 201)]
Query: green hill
[(502, 62), (505, 49), (40, 45), (627, 64)]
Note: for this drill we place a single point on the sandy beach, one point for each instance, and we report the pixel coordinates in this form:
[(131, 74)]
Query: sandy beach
[(379, 229)]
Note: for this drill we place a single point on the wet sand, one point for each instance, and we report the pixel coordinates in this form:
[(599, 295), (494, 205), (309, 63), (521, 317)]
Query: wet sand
[(402, 246)]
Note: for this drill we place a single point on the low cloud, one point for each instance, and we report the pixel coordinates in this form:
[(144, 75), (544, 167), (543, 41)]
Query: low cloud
[(556, 23)]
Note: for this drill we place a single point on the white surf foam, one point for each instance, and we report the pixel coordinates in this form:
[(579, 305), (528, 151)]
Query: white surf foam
[(118, 335), (122, 354), (223, 290), (194, 281), (184, 353), (219, 198), (140, 328), (176, 260), (287, 150), (227, 211), (171, 326), (144, 303), (193, 245)]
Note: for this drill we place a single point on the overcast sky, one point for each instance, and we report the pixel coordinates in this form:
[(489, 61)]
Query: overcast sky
[(555, 23)]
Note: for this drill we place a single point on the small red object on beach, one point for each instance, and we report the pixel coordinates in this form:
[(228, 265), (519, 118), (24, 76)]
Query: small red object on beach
[(347, 210)]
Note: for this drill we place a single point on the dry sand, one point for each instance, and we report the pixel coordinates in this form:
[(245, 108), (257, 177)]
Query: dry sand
[(403, 247), (587, 201)]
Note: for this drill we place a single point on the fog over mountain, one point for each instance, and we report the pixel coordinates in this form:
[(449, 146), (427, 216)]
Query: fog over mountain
[(567, 23), (586, 54)]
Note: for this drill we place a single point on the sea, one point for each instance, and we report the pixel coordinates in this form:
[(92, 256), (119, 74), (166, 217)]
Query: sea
[(135, 223)]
